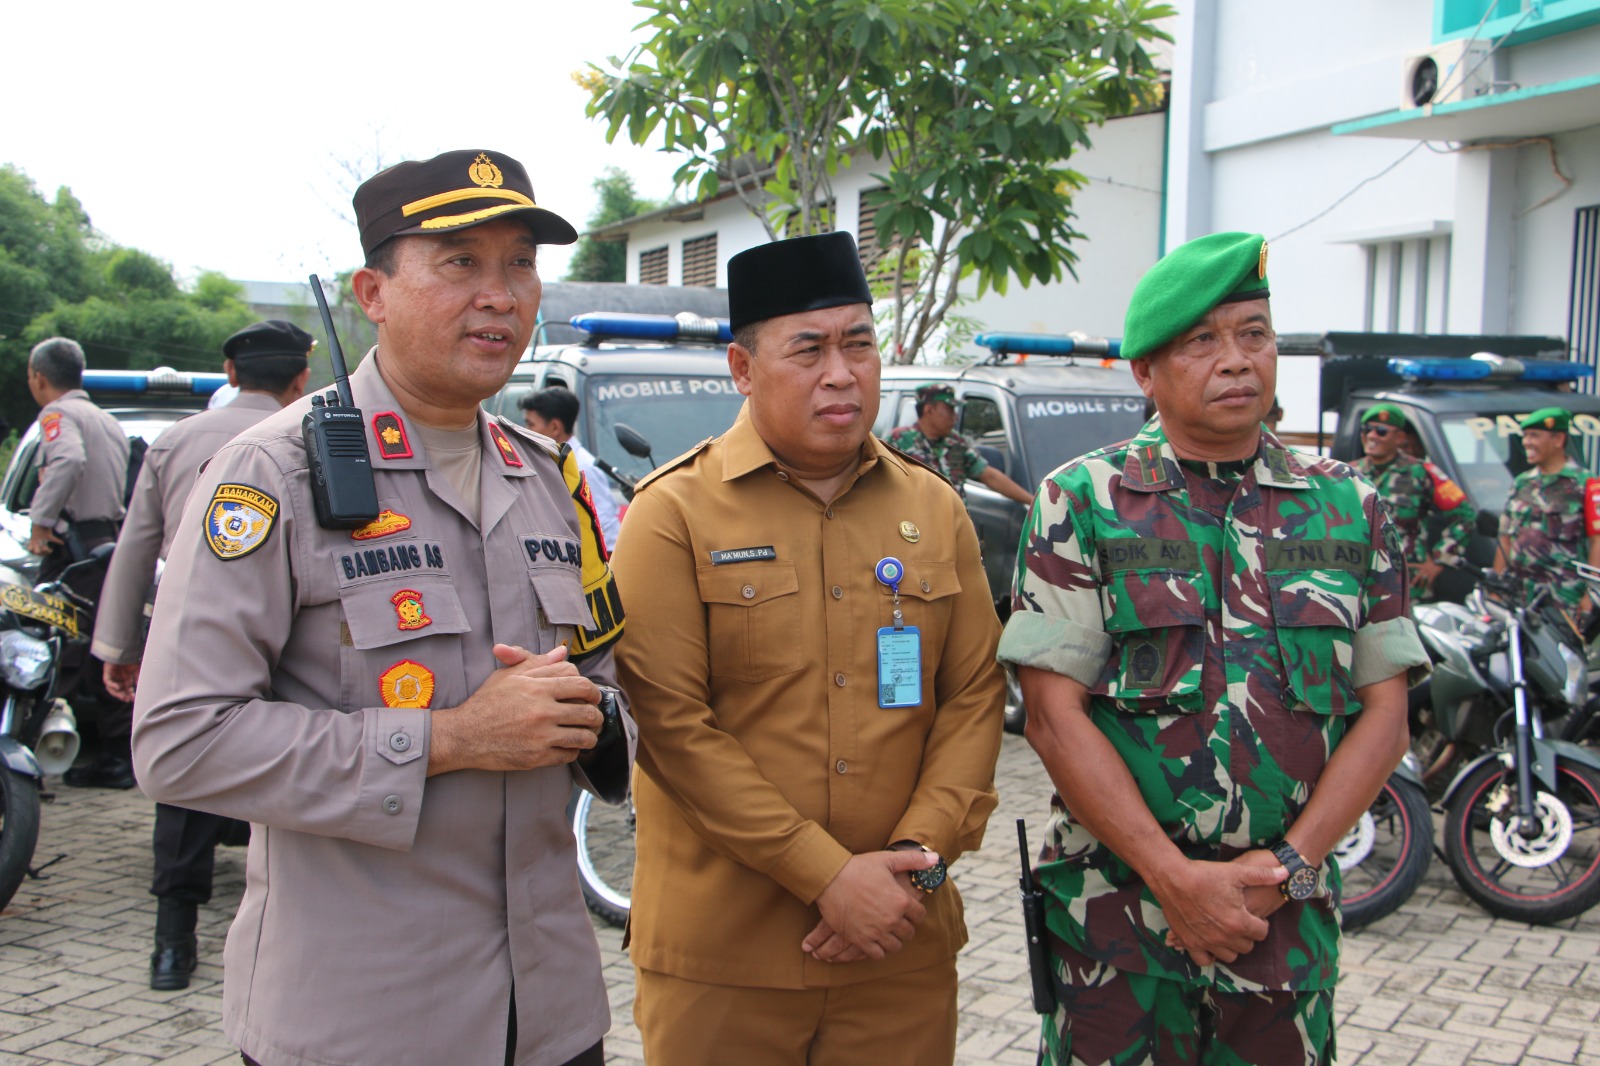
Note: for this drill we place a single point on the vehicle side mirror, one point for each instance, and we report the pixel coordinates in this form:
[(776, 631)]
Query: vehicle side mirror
[(632, 441)]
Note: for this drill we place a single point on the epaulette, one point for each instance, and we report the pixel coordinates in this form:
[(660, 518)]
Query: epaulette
[(538, 440), (912, 459), (673, 464)]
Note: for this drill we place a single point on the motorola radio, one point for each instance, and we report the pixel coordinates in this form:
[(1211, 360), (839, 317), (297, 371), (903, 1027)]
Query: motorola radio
[(336, 444), (1033, 924)]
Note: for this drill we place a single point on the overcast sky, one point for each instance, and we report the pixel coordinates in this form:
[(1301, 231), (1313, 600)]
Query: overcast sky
[(216, 135)]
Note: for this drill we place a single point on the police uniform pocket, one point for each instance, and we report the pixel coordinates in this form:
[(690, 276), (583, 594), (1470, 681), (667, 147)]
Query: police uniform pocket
[(562, 608), (388, 657), (1315, 615), (1156, 619), (752, 619), (381, 613)]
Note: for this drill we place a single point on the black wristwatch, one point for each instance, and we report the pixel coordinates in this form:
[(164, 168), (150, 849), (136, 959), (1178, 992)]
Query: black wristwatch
[(1301, 884), (931, 878)]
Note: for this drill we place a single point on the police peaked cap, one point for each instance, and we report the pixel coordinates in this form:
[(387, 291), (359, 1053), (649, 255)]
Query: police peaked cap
[(449, 192), (272, 337), (788, 277), (1188, 282), (1555, 419)]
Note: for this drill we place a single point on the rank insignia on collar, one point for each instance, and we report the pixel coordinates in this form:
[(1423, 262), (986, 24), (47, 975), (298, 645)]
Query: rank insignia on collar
[(406, 684), (408, 609), (51, 424), (507, 452), (238, 520), (391, 433), (910, 532), (386, 523)]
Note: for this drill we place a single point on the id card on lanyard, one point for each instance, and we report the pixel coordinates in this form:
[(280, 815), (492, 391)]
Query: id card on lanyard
[(899, 648)]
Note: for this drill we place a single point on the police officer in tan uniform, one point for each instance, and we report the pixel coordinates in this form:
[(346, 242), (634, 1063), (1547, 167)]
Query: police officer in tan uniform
[(82, 460), (810, 654), (401, 710), (267, 363)]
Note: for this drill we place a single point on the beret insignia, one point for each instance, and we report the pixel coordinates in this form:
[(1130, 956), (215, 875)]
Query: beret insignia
[(406, 684), (1549, 422), (391, 433), (238, 520)]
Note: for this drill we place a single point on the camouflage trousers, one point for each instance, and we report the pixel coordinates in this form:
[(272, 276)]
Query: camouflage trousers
[(1107, 1017)]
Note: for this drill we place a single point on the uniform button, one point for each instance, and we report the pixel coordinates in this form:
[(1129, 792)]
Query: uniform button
[(400, 742), (782, 476), (838, 679), (838, 593), (392, 804), (748, 592), (841, 766), (828, 513), (926, 587)]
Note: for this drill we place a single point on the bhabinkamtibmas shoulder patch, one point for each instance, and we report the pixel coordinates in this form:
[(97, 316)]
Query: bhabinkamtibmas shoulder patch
[(238, 520)]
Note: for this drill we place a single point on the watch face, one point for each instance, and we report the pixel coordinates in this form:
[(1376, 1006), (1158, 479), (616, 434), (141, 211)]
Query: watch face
[(929, 879), (1302, 884)]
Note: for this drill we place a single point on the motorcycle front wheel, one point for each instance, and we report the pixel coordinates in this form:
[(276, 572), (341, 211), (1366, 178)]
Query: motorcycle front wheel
[(604, 834), (19, 829), (1548, 873), (1385, 857)]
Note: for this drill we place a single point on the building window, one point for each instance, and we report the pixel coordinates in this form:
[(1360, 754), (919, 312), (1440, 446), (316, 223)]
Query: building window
[(1408, 285), (700, 261), (1583, 312), (823, 214), (653, 266), (867, 231)]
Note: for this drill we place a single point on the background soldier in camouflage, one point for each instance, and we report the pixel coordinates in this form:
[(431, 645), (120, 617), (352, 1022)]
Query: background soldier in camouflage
[(933, 439), (1212, 636), (1415, 491), (1553, 517)]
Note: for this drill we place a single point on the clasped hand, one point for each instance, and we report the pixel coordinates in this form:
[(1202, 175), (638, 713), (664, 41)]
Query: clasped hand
[(1219, 910), (870, 909), (537, 711)]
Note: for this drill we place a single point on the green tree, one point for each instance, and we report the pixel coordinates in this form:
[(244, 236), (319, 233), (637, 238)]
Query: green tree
[(973, 107), (595, 260)]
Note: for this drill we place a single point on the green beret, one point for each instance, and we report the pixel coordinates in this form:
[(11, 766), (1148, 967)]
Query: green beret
[(1555, 419), (937, 392), (1388, 414), (1188, 282)]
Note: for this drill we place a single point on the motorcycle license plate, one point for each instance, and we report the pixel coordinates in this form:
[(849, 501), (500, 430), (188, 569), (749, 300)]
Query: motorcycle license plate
[(52, 610)]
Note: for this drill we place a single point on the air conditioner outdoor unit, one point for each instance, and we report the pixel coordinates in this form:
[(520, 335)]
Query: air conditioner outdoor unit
[(1445, 74)]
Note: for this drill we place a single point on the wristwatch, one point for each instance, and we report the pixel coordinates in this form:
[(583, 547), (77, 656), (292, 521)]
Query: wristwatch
[(930, 879), (1301, 884)]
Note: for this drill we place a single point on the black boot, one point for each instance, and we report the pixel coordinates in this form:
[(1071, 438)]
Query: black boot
[(175, 956)]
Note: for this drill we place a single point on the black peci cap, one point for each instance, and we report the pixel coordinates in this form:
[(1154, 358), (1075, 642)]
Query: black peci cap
[(272, 337), (452, 191), (801, 274)]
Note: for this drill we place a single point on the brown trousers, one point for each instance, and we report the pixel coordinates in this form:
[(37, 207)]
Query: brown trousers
[(908, 1018)]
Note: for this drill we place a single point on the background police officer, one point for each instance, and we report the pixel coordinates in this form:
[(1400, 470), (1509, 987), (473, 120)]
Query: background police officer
[(933, 439), (554, 412), (267, 364), (1212, 637), (1552, 519)]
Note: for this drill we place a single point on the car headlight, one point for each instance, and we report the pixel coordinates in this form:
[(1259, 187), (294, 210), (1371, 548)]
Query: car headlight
[(25, 660)]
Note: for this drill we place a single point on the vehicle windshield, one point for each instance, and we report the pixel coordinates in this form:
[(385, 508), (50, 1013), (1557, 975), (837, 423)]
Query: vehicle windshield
[(672, 412), (1488, 452), (1056, 428)]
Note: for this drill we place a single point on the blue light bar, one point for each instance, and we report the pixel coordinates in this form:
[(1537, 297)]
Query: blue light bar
[(161, 381), (622, 325), (1049, 344), (1534, 370), (1440, 369)]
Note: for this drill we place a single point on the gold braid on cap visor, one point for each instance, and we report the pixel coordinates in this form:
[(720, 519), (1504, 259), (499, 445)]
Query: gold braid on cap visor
[(427, 203)]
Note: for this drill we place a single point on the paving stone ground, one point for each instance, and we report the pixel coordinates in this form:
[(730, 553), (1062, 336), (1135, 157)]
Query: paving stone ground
[(1439, 982)]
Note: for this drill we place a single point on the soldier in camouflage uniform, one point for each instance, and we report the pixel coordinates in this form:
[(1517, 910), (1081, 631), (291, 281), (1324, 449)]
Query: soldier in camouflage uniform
[(1212, 635), (933, 440), (1415, 491), (1553, 517)]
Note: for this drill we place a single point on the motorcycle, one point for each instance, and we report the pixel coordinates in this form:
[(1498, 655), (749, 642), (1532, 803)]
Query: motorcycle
[(44, 641), (604, 834), (1522, 808), (1386, 854)]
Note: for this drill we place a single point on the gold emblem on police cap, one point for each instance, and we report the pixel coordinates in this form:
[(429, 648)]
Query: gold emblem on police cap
[(1261, 263), (484, 173), (910, 532)]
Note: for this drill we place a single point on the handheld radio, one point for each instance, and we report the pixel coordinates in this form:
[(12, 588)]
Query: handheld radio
[(336, 444)]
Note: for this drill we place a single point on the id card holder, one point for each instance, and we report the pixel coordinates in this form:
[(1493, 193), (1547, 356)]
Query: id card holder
[(899, 667)]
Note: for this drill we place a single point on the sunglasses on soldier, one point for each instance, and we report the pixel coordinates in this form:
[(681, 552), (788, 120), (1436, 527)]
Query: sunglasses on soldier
[(1377, 427)]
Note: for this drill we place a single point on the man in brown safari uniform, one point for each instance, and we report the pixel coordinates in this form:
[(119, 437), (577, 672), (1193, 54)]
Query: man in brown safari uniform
[(401, 709)]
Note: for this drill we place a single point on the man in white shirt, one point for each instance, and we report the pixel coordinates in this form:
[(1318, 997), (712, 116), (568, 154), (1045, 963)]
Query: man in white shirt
[(554, 412)]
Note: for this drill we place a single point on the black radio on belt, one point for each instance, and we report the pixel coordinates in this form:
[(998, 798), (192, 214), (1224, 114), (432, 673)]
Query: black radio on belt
[(336, 444)]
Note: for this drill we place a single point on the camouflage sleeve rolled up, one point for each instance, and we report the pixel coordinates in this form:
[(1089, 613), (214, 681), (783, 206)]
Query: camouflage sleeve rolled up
[(1056, 622)]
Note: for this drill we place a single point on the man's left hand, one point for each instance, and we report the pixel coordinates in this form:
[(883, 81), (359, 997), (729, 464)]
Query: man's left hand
[(42, 540), (1422, 577)]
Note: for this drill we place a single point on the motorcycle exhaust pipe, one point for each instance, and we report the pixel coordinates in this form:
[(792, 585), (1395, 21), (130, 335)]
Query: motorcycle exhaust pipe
[(58, 739)]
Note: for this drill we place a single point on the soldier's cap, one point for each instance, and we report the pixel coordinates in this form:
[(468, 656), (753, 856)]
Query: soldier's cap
[(1388, 414), (272, 337), (449, 192), (788, 277), (937, 392), (1187, 282), (1555, 419)]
